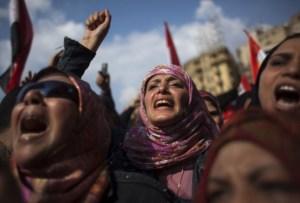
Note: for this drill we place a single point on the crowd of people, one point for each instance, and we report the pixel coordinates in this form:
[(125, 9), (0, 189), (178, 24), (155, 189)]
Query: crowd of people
[(62, 142)]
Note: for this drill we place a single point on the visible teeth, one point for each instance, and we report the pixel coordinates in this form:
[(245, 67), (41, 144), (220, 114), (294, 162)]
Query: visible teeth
[(29, 136), (287, 88), (163, 101)]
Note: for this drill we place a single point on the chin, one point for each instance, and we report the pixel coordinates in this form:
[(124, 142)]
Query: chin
[(27, 158), (164, 121)]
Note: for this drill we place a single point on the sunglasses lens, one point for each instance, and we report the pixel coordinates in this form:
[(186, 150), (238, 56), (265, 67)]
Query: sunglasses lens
[(51, 89)]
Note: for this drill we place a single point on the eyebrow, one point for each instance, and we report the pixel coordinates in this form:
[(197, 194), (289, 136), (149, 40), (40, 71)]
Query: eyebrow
[(257, 173), (170, 78), (253, 176), (218, 180), (282, 54)]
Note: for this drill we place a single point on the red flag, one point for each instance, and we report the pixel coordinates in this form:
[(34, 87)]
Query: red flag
[(256, 54), (244, 84), (21, 38), (171, 46)]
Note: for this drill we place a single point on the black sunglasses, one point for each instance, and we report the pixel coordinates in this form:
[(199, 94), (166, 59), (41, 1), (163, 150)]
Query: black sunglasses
[(51, 89)]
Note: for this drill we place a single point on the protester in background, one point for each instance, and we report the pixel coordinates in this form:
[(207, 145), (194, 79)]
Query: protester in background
[(175, 129), (103, 82), (255, 159), (129, 116), (213, 107), (277, 88), (61, 144)]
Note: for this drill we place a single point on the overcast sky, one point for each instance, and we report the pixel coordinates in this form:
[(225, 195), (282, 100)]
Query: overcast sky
[(136, 41)]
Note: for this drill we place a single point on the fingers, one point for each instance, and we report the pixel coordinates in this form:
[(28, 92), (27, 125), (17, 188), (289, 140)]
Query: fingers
[(98, 18)]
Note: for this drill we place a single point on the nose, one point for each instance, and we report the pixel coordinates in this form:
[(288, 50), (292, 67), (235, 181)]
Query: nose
[(33, 97), (163, 87), (294, 68)]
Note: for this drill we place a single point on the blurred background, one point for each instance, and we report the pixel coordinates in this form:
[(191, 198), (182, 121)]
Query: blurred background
[(208, 35)]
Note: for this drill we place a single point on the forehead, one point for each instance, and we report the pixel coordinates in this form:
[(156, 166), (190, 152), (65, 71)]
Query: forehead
[(238, 152), (163, 77), (289, 45), (55, 77)]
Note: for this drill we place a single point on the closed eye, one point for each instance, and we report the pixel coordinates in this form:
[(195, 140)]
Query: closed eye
[(177, 84), (280, 59), (152, 86)]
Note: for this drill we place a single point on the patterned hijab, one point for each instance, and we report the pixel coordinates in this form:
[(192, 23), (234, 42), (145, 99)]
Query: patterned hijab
[(263, 130), (80, 175), (153, 147)]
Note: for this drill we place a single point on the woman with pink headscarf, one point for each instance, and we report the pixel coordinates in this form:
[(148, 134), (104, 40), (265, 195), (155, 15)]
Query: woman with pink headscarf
[(174, 129)]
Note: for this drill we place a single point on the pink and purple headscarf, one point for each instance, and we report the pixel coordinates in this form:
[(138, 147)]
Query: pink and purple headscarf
[(152, 147)]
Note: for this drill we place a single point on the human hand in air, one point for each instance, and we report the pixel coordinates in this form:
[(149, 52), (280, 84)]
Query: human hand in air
[(96, 28), (103, 80), (28, 78)]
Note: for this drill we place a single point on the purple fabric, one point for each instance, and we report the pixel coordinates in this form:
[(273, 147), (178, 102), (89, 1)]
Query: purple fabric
[(151, 147)]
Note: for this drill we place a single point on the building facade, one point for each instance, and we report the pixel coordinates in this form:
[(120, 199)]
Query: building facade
[(214, 71), (267, 37)]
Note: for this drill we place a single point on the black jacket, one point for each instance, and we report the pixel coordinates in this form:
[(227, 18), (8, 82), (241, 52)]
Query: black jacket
[(131, 187)]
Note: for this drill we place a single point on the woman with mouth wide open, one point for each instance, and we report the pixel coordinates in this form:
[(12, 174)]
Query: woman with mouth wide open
[(277, 88), (174, 130), (61, 142)]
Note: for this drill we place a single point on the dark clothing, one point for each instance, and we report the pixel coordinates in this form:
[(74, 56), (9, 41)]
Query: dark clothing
[(129, 187), (76, 58)]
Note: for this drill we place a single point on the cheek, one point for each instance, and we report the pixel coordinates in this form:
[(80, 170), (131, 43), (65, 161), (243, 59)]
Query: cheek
[(183, 99), (264, 86), (15, 116), (147, 101), (64, 115)]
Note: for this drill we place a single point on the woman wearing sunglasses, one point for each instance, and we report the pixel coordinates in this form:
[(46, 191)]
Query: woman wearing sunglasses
[(61, 142)]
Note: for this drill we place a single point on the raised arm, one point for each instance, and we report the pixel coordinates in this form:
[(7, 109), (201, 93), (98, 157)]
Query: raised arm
[(96, 29), (78, 55)]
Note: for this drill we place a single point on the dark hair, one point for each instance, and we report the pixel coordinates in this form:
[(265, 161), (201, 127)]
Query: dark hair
[(6, 107), (46, 71), (255, 100)]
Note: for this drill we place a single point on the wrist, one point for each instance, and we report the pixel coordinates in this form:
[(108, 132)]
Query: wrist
[(90, 44)]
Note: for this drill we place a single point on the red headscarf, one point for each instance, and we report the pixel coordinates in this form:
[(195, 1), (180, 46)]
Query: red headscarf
[(262, 130), (81, 175), (152, 147)]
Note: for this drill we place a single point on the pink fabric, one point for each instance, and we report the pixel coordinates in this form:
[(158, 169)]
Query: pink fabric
[(151, 147), (179, 179), (81, 175)]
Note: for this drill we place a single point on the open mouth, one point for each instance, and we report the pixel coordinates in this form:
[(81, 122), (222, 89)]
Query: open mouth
[(162, 103), (287, 96), (32, 127)]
